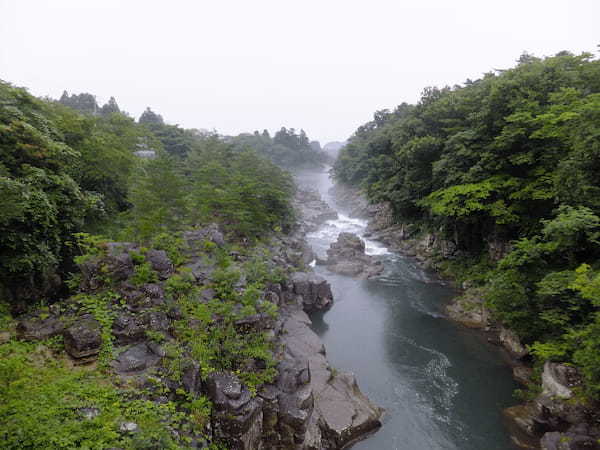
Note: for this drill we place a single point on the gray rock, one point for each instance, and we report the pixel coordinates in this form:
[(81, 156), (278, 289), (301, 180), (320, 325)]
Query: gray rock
[(342, 413), (312, 209), (39, 329), (314, 290), (195, 239), (347, 256), (160, 262), (136, 359), (522, 374), (568, 441), (127, 329), (191, 377), (469, 309), (83, 339), (88, 413), (512, 343), (120, 266), (128, 427), (201, 271), (558, 379), (238, 417), (153, 290)]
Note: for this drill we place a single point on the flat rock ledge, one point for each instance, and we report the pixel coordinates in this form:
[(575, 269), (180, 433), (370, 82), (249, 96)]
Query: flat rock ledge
[(341, 413)]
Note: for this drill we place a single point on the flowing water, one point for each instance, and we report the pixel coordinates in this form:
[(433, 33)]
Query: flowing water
[(443, 387)]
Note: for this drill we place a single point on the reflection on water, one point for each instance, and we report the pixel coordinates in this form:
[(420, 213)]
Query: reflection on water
[(443, 387)]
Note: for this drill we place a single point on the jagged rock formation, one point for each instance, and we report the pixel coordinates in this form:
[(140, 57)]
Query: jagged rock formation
[(312, 210), (347, 256), (556, 415), (308, 406)]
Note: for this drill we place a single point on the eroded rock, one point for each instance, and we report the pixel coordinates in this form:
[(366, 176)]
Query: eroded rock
[(512, 343), (347, 256), (36, 329), (314, 290), (136, 359), (83, 339)]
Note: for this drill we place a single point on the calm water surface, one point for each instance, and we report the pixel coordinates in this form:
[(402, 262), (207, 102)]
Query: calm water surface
[(443, 386)]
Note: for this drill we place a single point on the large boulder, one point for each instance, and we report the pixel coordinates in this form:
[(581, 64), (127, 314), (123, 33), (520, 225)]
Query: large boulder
[(312, 209), (326, 405), (116, 264), (196, 239), (160, 262), (569, 441), (84, 338), (559, 379), (469, 309), (347, 256), (36, 329), (314, 290), (238, 417), (137, 358)]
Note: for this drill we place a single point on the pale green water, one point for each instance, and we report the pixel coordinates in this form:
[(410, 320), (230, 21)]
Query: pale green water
[(443, 386)]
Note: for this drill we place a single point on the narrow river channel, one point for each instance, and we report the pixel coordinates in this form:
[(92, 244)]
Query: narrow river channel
[(443, 387)]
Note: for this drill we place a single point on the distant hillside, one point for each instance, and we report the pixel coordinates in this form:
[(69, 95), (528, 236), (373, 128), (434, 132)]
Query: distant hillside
[(287, 148)]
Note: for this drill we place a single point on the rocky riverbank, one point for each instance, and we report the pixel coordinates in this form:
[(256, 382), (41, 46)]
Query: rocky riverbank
[(307, 405), (555, 418)]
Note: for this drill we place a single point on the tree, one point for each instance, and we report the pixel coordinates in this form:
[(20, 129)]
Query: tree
[(110, 107), (150, 118)]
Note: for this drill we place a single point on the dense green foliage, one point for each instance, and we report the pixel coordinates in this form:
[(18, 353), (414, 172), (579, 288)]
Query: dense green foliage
[(512, 157), (287, 148), (45, 402), (247, 195), (65, 170), (42, 203)]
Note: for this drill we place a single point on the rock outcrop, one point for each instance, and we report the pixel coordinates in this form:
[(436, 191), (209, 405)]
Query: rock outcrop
[(312, 210), (84, 338), (562, 421), (308, 406), (347, 256), (469, 310), (313, 290)]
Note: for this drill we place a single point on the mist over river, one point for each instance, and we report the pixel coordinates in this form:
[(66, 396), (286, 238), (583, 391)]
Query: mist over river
[(443, 386)]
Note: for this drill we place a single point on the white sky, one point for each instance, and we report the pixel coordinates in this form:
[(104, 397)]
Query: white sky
[(241, 65)]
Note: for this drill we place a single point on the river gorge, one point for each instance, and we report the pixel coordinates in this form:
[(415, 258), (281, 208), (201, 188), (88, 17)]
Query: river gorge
[(443, 386)]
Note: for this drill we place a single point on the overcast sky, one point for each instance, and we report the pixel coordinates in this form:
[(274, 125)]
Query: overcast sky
[(234, 66)]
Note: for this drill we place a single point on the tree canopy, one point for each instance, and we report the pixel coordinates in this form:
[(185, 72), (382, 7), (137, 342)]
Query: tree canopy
[(512, 157)]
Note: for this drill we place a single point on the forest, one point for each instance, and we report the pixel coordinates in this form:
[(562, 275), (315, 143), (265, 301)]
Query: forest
[(509, 161)]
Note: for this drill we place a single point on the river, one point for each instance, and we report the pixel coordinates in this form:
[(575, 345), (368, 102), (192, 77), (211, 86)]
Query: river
[(443, 386)]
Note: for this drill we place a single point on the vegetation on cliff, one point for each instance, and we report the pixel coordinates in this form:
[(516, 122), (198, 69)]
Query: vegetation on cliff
[(71, 183), (64, 172), (512, 158)]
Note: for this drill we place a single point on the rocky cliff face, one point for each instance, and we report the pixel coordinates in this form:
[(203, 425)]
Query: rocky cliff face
[(308, 405)]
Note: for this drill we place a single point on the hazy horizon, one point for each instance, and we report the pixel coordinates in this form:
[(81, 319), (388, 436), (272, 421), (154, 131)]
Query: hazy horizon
[(239, 66)]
